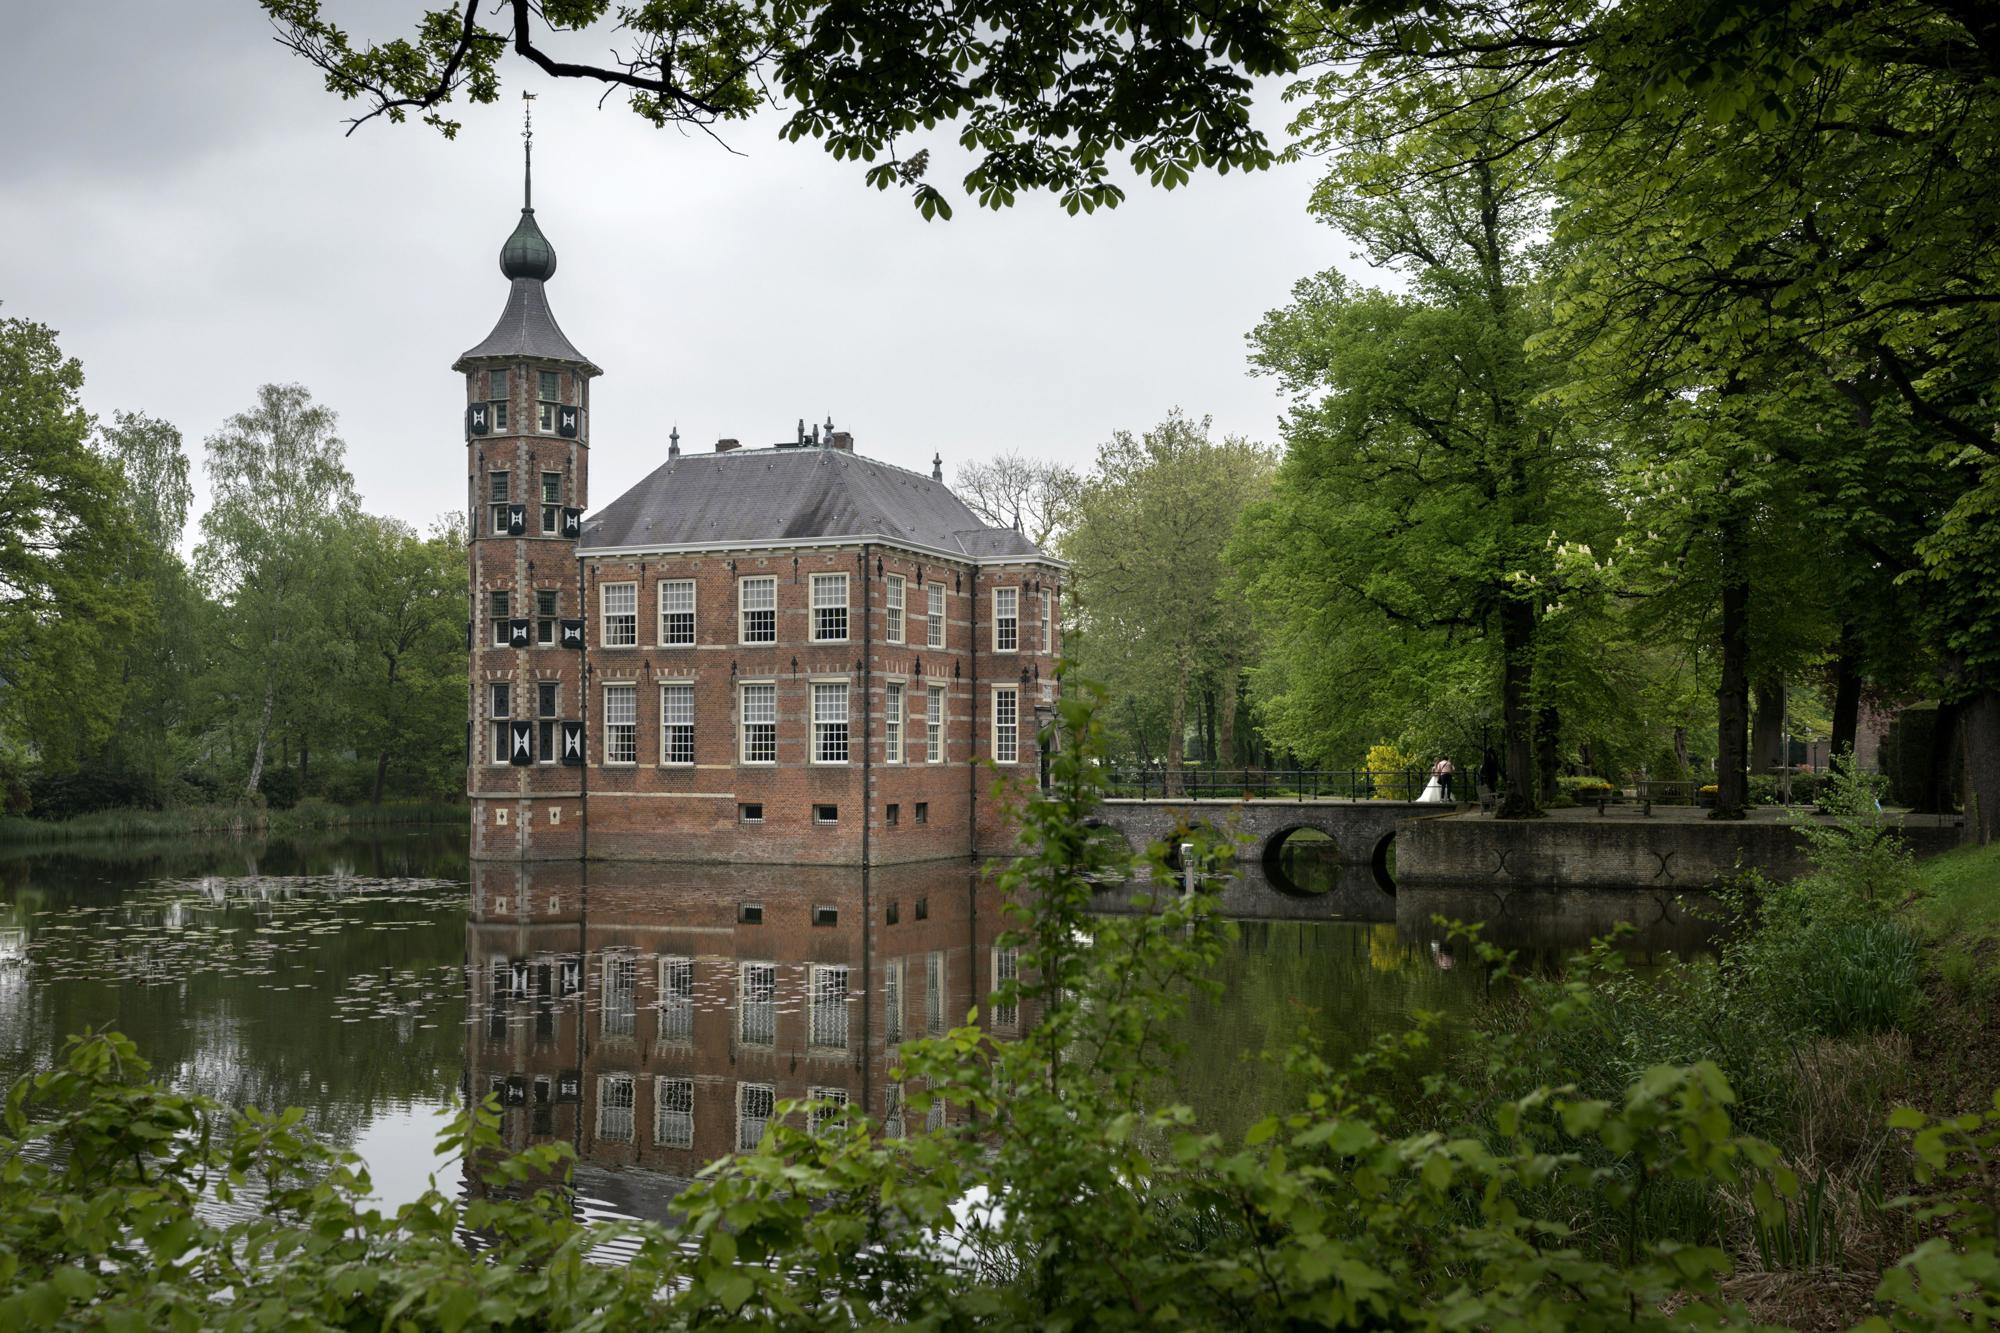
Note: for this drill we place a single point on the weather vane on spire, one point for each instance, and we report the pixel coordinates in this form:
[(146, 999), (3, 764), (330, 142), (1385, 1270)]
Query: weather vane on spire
[(527, 149)]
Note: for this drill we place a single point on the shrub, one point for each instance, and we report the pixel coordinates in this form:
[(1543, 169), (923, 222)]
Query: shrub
[(1392, 773)]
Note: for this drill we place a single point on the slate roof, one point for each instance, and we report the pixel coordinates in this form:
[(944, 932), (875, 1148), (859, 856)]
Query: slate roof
[(527, 331), (753, 496)]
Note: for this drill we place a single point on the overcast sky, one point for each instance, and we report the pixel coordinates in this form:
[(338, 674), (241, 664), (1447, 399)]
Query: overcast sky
[(177, 200)]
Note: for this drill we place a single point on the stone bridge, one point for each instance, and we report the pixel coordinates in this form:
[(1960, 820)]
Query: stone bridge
[(1361, 830)]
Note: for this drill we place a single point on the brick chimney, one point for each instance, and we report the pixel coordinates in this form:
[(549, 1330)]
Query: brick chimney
[(840, 439), (724, 445)]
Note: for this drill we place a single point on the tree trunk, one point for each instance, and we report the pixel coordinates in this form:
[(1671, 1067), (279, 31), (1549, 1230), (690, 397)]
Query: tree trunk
[(305, 762), (1548, 732), (1732, 700), (1208, 726), (1980, 721), (381, 776), (1846, 698), (1177, 733), (1517, 627), (1681, 751), (1225, 724), (1767, 728), (263, 738), (1935, 796)]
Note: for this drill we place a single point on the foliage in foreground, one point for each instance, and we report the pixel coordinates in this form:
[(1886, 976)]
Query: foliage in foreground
[(1072, 1194)]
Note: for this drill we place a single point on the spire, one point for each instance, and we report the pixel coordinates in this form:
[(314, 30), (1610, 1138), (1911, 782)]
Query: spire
[(527, 253), (674, 442), (527, 152), (937, 467)]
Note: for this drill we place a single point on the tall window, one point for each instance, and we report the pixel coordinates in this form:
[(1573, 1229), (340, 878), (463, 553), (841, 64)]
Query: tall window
[(676, 613), (754, 1105), (757, 1004), (1006, 619), (496, 393), (832, 1101), (548, 393), (934, 994), (829, 608), (757, 609), (934, 724), (621, 723), (677, 723), (829, 722), (1006, 969), (827, 1022), (892, 724), (1048, 621), (551, 503), (934, 615), (498, 608), (548, 726), (892, 1111), (673, 1112), (760, 724), (892, 1001), (499, 711), (545, 616), (1006, 724), (676, 999), (892, 623), (614, 1107), (621, 991), (499, 491), (620, 602)]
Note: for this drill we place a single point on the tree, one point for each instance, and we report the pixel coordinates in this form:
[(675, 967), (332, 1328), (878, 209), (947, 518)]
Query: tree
[(270, 552), (66, 607), (1044, 92), (1149, 581), (405, 618), (1014, 490)]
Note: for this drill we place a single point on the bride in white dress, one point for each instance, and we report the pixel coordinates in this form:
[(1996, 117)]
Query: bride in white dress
[(1434, 790)]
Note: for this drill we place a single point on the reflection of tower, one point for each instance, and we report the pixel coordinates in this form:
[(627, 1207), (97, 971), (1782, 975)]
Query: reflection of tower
[(655, 1015), (527, 395)]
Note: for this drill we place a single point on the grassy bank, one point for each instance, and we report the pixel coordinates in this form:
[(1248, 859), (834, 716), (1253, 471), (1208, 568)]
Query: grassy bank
[(193, 821)]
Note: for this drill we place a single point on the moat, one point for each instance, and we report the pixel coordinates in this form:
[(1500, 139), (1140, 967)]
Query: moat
[(651, 1014)]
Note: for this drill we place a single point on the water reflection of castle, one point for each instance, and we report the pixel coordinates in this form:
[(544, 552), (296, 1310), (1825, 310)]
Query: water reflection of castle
[(654, 1015)]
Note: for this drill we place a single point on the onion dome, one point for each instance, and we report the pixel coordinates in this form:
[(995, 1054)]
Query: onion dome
[(527, 253)]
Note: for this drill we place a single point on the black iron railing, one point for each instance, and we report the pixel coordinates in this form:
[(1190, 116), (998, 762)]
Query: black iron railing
[(1153, 782)]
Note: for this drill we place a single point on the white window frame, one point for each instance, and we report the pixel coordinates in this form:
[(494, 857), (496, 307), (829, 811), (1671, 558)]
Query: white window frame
[(894, 595), (823, 741), (607, 1126), (551, 509), (545, 408), (765, 1032), (892, 722), (618, 1015), (1005, 967), (767, 1096), (499, 497), (824, 602), (892, 1002), (936, 996), (629, 634), (674, 587), (936, 715), (676, 999), (836, 1101), (934, 617), (679, 689), (1007, 626), (1007, 738), (826, 1016), (743, 607), (892, 1111), (548, 725), (628, 732), (744, 721), (673, 1097), (497, 736), (1048, 620)]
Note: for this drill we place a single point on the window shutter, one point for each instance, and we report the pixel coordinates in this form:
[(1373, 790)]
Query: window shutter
[(569, 1085), (572, 634), (517, 1090), (520, 743), (520, 633), (572, 744), (475, 419), (566, 422), (517, 520), (572, 524)]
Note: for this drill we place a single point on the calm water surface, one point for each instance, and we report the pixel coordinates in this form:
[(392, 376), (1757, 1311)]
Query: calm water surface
[(649, 1014)]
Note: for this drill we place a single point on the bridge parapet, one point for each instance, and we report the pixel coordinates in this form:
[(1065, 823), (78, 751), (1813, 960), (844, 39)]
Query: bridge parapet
[(1360, 830)]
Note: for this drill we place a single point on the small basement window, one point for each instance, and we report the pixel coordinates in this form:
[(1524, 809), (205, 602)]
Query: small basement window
[(826, 814), (751, 812), (892, 815), (923, 909), (750, 914), (825, 915), (895, 913), (923, 812)]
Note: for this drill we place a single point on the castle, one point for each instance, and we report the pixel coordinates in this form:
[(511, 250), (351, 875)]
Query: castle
[(789, 654)]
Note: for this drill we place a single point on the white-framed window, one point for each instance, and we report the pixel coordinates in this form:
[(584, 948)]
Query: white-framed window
[(829, 714), (499, 607), (676, 998), (1006, 724), (676, 613), (829, 608), (1048, 620), (551, 503), (499, 712), (892, 1001), (499, 491), (677, 722), (1006, 969), (827, 1006), (545, 616), (934, 1117), (496, 394), (760, 722), (615, 1099), (892, 723), (621, 723), (548, 393), (757, 609), (892, 622), (620, 604), (757, 1004), (934, 615), (1006, 619), (548, 719), (673, 1112), (829, 1103), (755, 1103), (892, 1110), (621, 993), (934, 724), (934, 994)]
